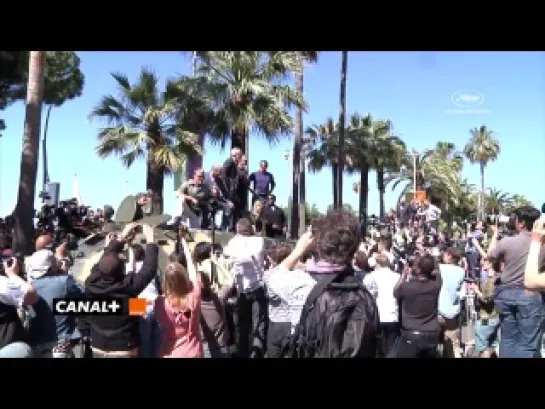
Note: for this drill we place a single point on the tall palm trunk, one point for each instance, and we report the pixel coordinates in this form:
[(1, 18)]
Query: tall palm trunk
[(482, 204), (155, 181), (342, 117), (364, 195), (381, 190), (238, 139), (302, 197), (334, 171), (194, 162), (24, 211), (45, 175), (296, 158)]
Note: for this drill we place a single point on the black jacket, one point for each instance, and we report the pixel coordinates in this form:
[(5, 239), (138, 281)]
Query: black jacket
[(229, 174), (119, 333)]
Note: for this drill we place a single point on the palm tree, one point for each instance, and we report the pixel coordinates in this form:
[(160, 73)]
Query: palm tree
[(324, 152), (434, 172), (482, 148), (24, 211), (250, 92), (388, 155), (298, 209), (518, 201), (342, 124), (496, 201), (145, 122), (467, 203), (363, 131), (447, 150)]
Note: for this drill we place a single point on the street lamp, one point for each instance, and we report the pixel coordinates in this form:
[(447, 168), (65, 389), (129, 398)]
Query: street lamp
[(415, 154)]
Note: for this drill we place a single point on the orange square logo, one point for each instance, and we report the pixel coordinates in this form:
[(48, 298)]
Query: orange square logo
[(137, 306)]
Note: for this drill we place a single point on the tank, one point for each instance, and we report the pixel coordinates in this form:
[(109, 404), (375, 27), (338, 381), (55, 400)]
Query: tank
[(90, 248)]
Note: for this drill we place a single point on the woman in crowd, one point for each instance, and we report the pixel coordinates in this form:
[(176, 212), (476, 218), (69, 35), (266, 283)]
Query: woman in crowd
[(279, 319), (487, 324), (178, 310), (214, 324), (257, 216)]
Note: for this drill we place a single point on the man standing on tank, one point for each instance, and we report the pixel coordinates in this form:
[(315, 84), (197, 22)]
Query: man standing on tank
[(263, 183)]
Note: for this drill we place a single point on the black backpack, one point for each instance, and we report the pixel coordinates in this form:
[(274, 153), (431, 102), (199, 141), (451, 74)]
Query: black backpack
[(340, 319)]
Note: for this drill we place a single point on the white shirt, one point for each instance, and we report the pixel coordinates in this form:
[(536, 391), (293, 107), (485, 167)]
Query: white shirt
[(372, 261), (381, 283), (248, 254), (150, 293), (11, 293), (292, 289), (432, 213)]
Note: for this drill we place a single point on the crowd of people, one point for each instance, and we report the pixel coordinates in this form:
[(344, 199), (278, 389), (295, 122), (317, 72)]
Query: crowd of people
[(220, 198), (403, 289)]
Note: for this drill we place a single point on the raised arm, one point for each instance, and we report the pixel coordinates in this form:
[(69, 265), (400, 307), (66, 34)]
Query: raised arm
[(273, 183), (137, 282), (191, 269), (533, 280)]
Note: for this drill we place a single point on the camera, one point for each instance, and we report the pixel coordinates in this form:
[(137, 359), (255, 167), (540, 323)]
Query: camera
[(429, 241), (17, 256)]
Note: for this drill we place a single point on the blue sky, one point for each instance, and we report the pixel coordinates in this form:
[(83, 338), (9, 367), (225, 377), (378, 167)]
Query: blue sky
[(412, 89)]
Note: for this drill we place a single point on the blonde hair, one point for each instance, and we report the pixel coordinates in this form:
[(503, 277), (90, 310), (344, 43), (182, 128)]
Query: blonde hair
[(254, 207), (176, 284)]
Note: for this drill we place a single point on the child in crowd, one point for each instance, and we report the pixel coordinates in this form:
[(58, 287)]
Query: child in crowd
[(487, 324), (178, 310)]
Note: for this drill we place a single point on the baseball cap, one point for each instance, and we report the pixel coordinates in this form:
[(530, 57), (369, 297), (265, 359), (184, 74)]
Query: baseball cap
[(39, 263)]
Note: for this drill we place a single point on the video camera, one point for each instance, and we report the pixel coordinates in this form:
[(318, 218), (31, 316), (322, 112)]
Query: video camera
[(506, 223), (59, 221), (18, 256)]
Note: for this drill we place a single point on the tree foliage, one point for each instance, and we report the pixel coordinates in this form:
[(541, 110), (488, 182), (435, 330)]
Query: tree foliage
[(64, 79)]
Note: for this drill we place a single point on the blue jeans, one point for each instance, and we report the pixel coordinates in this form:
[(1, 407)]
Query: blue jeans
[(150, 335), (521, 317), (16, 350), (486, 336)]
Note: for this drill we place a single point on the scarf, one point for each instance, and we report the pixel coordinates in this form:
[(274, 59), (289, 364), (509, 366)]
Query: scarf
[(323, 267)]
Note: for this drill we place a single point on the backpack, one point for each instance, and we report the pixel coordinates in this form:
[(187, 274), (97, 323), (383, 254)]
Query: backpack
[(340, 319)]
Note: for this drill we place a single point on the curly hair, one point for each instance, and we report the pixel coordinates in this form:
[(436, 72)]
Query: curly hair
[(337, 236)]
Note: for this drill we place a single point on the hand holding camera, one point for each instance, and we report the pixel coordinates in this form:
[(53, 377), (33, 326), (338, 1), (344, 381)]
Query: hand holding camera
[(538, 232), (129, 232), (11, 266)]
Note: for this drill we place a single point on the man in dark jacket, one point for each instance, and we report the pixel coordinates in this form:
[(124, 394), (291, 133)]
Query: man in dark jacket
[(275, 219), (119, 336), (51, 335)]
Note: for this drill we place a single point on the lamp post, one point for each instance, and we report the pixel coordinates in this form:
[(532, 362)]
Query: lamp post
[(414, 154)]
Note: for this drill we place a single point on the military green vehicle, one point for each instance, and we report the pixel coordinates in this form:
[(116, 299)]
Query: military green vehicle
[(90, 248)]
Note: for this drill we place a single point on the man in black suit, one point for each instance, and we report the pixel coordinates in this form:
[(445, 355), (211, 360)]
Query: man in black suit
[(275, 219), (230, 175)]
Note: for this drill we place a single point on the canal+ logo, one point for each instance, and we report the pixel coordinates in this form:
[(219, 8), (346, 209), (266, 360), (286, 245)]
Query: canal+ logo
[(100, 306)]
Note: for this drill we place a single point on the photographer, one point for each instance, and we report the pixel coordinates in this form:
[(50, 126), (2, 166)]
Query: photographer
[(49, 333), (14, 293), (119, 336), (452, 277), (473, 253), (195, 196), (520, 311), (418, 290)]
